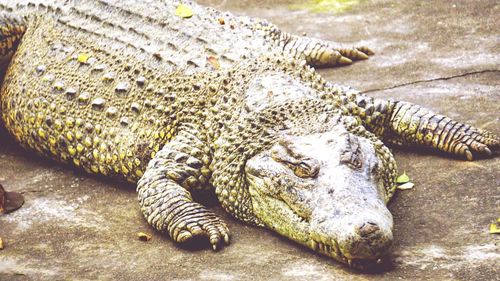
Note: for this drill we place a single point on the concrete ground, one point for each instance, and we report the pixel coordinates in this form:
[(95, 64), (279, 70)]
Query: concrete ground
[(444, 55)]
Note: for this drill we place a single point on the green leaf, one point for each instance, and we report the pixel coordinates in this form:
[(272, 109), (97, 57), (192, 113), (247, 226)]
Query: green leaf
[(184, 11), (83, 57), (404, 178), (494, 229)]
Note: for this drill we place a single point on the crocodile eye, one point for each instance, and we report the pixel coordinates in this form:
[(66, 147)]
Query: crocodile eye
[(306, 169)]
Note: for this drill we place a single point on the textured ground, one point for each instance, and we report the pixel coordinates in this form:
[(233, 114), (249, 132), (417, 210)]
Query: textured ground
[(441, 54)]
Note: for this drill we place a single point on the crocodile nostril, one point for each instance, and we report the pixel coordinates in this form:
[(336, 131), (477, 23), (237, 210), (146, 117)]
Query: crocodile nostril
[(367, 228)]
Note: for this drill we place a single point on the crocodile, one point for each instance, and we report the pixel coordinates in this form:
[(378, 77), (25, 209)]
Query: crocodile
[(124, 90)]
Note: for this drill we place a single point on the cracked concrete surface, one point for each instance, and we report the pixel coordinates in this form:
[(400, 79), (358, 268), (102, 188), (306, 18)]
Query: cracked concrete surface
[(444, 55), (431, 80)]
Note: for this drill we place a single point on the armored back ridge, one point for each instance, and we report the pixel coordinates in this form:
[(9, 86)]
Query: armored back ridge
[(173, 105)]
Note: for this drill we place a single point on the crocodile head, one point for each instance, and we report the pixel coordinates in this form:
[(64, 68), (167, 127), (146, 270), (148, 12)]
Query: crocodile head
[(326, 191)]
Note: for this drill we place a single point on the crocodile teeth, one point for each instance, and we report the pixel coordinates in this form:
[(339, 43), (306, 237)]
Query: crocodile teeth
[(313, 244)]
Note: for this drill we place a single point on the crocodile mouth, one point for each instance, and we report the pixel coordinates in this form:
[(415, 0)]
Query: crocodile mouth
[(333, 250)]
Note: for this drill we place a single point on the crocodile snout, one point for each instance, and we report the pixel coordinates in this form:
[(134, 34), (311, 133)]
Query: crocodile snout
[(367, 229), (368, 240)]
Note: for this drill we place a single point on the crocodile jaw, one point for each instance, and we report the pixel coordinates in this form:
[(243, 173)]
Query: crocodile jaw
[(340, 212)]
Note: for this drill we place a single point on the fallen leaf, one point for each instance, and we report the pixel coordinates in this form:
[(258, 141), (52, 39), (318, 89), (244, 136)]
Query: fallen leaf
[(214, 62), (144, 236), (10, 201), (2, 200), (184, 11), (221, 21), (83, 57), (404, 178), (404, 186), (494, 229), (1, 243)]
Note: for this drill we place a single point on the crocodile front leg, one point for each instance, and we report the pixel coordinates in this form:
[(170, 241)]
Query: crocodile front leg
[(12, 29), (163, 191), (408, 124)]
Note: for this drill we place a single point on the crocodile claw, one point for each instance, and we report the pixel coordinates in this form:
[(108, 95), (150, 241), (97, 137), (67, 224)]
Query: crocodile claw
[(365, 50), (343, 56), (344, 60), (208, 225), (476, 142), (319, 53), (338, 57), (356, 53)]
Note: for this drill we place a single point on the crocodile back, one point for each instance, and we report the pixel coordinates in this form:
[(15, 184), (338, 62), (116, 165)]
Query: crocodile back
[(102, 109), (152, 30)]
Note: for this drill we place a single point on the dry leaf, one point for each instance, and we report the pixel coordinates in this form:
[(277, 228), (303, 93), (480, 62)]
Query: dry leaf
[(2, 200), (404, 186), (144, 236), (214, 62), (184, 11), (403, 182), (221, 21), (10, 201)]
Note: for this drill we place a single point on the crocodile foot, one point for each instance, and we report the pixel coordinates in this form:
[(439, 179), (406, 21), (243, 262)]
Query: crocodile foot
[(205, 224), (322, 53), (329, 54)]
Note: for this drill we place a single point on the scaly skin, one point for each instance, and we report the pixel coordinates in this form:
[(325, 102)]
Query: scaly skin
[(406, 124), (281, 147), (186, 43)]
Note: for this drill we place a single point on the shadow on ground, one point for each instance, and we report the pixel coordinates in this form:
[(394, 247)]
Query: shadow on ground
[(442, 55)]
